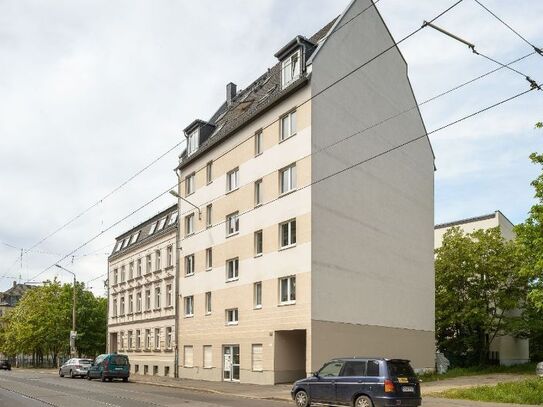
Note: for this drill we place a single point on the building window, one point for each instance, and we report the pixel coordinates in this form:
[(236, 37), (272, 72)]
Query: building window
[(148, 300), (256, 356), (232, 269), (193, 140), (287, 179), (115, 276), (129, 335), (189, 306), (147, 339), (138, 302), (148, 263), (173, 218), (290, 69), (169, 255), (123, 274), (134, 237), (161, 224), (138, 267), (209, 172), (155, 370), (287, 290), (131, 270), (208, 303), (189, 224), (257, 292), (258, 142), (138, 339), (152, 228), (189, 184), (288, 126), (122, 306), (188, 356), (232, 316), (189, 265), (208, 356), (169, 337), (114, 308), (145, 369), (232, 180), (287, 233), (121, 340), (232, 224), (209, 219), (209, 258), (157, 338), (258, 243), (157, 297), (169, 295), (131, 304), (157, 260), (258, 192)]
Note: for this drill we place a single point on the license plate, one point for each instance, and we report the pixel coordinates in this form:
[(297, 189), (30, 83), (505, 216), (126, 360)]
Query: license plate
[(118, 368), (408, 389)]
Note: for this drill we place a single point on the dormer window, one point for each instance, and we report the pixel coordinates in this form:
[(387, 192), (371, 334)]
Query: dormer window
[(290, 69), (193, 141)]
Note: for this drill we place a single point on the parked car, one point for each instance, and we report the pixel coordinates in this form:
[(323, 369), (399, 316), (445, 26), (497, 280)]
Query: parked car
[(539, 369), (110, 366), (75, 367), (360, 382), (5, 364)]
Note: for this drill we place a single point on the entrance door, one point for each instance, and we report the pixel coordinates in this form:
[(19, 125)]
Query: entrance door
[(113, 342), (231, 363)]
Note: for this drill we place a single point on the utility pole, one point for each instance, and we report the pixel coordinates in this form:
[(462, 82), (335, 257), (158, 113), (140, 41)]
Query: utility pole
[(73, 333)]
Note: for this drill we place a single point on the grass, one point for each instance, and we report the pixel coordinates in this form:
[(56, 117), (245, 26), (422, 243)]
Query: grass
[(528, 391), (527, 368)]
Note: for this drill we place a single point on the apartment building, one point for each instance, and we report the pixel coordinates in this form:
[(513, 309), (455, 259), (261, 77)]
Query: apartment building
[(290, 252), (506, 349), (142, 295)]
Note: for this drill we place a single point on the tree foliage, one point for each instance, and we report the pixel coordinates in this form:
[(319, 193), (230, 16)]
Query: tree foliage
[(478, 288), (40, 323)]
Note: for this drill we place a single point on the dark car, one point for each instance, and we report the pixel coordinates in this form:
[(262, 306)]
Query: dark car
[(360, 382), (110, 366), (5, 365)]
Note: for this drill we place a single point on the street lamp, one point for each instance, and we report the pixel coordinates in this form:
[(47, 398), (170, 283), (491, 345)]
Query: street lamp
[(73, 333), (174, 193)]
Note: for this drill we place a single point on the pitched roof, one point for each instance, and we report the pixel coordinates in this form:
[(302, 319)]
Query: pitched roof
[(249, 103)]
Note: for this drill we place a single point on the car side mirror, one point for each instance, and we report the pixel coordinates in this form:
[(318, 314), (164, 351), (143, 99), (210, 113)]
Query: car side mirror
[(315, 374)]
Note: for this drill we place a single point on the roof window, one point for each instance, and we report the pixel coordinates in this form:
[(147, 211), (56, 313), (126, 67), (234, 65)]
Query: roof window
[(161, 224), (153, 228), (290, 69), (173, 218), (134, 237), (193, 140)]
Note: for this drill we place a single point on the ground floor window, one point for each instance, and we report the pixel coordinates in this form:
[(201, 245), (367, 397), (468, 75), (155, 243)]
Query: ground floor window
[(208, 356), (256, 357), (155, 370), (188, 356), (167, 371)]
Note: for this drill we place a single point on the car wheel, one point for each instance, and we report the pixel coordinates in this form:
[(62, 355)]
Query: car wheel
[(363, 401), (72, 374), (302, 399), (102, 378), (88, 377), (60, 373)]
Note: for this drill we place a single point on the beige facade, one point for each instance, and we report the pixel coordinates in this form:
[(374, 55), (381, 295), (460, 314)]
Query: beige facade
[(507, 349), (142, 295)]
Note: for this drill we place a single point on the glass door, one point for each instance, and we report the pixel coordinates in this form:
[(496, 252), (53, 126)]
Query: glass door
[(231, 363)]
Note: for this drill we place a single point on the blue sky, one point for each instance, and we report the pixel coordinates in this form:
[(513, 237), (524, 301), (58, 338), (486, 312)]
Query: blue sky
[(93, 90)]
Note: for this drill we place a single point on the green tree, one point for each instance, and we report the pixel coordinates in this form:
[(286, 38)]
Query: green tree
[(478, 286)]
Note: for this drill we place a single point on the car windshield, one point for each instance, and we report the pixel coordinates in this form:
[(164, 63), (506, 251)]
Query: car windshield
[(400, 368), (119, 360)]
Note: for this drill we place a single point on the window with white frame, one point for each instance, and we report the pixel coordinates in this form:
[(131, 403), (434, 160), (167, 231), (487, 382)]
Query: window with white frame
[(189, 184), (189, 306), (129, 339), (157, 338), (173, 218), (258, 243), (189, 265), (208, 303), (209, 172), (158, 264), (232, 224), (121, 340), (168, 337), (138, 339), (169, 255), (258, 142), (138, 268), (169, 296), (290, 69), (114, 308), (258, 192), (188, 356), (257, 293), (287, 179), (287, 290), (232, 316), (147, 300), (161, 224), (193, 139), (257, 359), (122, 306), (147, 339), (131, 304), (157, 297), (288, 126), (148, 263), (189, 224), (232, 180), (115, 276), (208, 356), (287, 233), (209, 258), (123, 274), (153, 228), (131, 270), (232, 269), (138, 302), (134, 237), (209, 220)]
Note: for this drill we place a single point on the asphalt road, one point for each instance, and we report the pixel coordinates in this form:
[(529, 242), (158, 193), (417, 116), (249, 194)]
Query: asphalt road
[(26, 388)]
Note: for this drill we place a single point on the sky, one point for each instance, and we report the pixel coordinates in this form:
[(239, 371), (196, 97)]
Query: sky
[(92, 91)]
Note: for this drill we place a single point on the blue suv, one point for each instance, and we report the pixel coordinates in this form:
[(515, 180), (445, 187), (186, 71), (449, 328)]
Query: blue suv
[(360, 382)]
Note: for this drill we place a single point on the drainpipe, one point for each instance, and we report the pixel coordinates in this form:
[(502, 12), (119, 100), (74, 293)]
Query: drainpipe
[(177, 262)]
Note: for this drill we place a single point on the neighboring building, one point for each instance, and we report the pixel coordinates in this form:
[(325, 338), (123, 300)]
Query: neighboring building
[(290, 263), (507, 350), (10, 297), (142, 295)]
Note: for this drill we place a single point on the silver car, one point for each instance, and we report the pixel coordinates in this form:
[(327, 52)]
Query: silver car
[(75, 367), (539, 369)]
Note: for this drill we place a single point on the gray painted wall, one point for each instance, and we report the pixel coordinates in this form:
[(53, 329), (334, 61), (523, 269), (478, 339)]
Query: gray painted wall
[(372, 227)]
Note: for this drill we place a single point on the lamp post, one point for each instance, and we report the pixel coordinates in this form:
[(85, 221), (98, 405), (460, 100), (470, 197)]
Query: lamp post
[(72, 344)]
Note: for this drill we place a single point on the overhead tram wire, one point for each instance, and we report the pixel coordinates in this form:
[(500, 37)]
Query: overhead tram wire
[(397, 147), (536, 49), (394, 45)]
